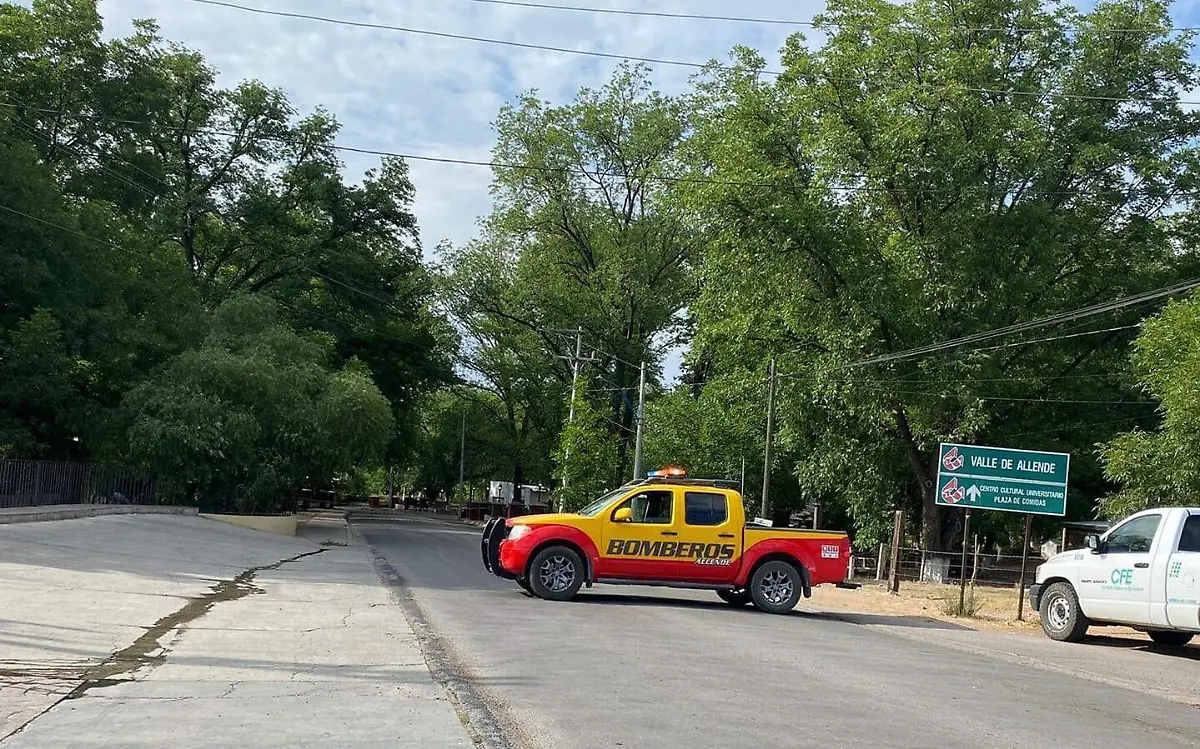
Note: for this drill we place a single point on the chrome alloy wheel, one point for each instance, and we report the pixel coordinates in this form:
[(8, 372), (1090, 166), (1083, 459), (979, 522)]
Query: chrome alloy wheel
[(777, 587), (557, 573)]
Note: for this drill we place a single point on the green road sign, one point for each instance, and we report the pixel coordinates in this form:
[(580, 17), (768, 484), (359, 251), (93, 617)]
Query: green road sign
[(997, 478)]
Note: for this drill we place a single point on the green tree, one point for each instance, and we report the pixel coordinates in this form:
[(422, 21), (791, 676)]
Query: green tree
[(586, 455), (1161, 466), (589, 239), (509, 380), (136, 194), (933, 171), (256, 411)]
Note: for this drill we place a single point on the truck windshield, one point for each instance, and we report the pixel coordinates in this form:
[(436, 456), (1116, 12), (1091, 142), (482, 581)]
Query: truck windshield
[(594, 508)]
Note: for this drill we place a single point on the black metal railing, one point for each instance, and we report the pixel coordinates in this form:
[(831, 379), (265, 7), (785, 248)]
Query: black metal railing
[(36, 483)]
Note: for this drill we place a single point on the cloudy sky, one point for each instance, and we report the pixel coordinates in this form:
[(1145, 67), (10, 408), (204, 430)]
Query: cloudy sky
[(424, 95), (433, 96)]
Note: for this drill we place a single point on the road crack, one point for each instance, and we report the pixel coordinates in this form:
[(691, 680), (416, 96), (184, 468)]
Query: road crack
[(146, 652)]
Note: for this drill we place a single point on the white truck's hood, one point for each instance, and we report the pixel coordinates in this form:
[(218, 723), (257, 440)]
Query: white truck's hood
[(1072, 554)]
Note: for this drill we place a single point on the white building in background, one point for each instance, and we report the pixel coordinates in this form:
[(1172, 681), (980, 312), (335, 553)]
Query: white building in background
[(501, 492)]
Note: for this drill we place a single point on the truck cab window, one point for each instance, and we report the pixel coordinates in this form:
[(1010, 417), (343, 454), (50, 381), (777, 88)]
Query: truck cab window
[(1190, 540), (1134, 537), (704, 508), (650, 507)]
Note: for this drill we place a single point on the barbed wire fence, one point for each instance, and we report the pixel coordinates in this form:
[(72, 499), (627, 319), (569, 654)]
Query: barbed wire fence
[(943, 567)]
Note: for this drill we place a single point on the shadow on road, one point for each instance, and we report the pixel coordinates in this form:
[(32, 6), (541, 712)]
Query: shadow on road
[(618, 599), (1123, 643)]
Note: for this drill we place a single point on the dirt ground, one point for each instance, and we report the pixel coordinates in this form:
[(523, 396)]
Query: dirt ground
[(997, 607)]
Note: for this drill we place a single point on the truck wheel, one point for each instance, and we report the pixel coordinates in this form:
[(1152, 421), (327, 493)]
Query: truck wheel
[(1062, 620), (775, 587), (556, 573), (739, 597), (1170, 639)]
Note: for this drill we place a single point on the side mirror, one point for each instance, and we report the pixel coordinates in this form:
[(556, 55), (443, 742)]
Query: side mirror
[(1092, 542), (623, 515)]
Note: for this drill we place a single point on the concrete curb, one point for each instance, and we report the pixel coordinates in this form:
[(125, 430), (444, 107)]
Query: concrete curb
[(46, 514), (485, 728)]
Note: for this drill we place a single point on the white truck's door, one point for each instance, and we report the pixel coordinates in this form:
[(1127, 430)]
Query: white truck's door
[(1183, 577), (1115, 584)]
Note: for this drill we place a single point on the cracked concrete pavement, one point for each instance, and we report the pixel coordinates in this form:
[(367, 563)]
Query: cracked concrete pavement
[(147, 631)]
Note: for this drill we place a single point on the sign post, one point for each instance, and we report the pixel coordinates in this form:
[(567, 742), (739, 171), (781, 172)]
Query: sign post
[(1024, 557), (999, 478), (962, 572)]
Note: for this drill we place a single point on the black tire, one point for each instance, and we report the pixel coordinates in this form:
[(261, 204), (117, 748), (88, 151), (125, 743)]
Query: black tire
[(775, 587), (1062, 619), (556, 573), (524, 585), (1170, 639), (739, 597)]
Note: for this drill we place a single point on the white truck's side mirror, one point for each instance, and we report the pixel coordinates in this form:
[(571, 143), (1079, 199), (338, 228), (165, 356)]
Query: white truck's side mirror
[(1092, 541)]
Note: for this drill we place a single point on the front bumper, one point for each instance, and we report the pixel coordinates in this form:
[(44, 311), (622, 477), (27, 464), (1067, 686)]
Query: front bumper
[(1035, 596), (494, 534)]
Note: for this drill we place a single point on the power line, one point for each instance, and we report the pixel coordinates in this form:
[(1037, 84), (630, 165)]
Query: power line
[(666, 179), (647, 13), (447, 35), (651, 60), (1070, 316), (1008, 399), (810, 23), (61, 227)]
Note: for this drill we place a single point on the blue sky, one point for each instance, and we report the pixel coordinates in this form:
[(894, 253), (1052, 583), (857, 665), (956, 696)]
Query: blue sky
[(438, 97)]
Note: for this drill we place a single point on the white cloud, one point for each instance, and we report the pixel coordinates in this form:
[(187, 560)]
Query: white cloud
[(434, 96)]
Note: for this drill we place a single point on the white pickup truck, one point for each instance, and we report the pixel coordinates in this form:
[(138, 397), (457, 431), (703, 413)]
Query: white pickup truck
[(1143, 573)]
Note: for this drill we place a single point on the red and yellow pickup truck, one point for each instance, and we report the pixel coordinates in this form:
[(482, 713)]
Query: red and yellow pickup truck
[(671, 531)]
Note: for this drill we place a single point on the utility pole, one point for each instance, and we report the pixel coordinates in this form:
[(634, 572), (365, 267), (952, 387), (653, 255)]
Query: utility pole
[(641, 412), (770, 437), (575, 362), (462, 448)]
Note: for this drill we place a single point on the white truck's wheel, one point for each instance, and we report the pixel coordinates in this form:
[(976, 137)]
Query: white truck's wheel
[(1062, 618)]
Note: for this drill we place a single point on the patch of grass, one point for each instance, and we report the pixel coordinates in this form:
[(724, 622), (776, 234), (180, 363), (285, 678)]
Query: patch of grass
[(970, 604)]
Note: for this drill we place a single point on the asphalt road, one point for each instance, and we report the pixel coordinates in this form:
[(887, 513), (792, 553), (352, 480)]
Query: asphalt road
[(640, 667)]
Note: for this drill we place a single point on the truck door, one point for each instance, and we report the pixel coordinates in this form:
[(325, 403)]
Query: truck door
[(713, 537), (641, 547), (1183, 578), (1115, 585)]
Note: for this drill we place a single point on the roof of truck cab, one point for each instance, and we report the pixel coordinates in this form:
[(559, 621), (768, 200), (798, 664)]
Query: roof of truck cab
[(675, 480)]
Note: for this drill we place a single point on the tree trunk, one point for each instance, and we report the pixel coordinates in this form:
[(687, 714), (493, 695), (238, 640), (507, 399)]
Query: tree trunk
[(518, 479), (931, 530)]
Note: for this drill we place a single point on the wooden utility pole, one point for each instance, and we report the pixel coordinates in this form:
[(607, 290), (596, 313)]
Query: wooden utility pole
[(575, 360), (897, 540), (462, 449), (770, 437), (641, 413)]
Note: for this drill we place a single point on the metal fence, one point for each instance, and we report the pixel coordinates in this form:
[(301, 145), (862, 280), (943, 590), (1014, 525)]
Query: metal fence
[(34, 483), (919, 565)]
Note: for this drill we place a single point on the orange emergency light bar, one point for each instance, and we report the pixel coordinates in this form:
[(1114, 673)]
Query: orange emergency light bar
[(668, 472)]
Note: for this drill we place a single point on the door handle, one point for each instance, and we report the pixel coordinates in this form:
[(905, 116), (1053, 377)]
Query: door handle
[(1141, 565), (724, 535), (670, 533)]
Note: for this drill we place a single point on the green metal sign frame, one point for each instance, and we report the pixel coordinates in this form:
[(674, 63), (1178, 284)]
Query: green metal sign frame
[(998, 478)]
